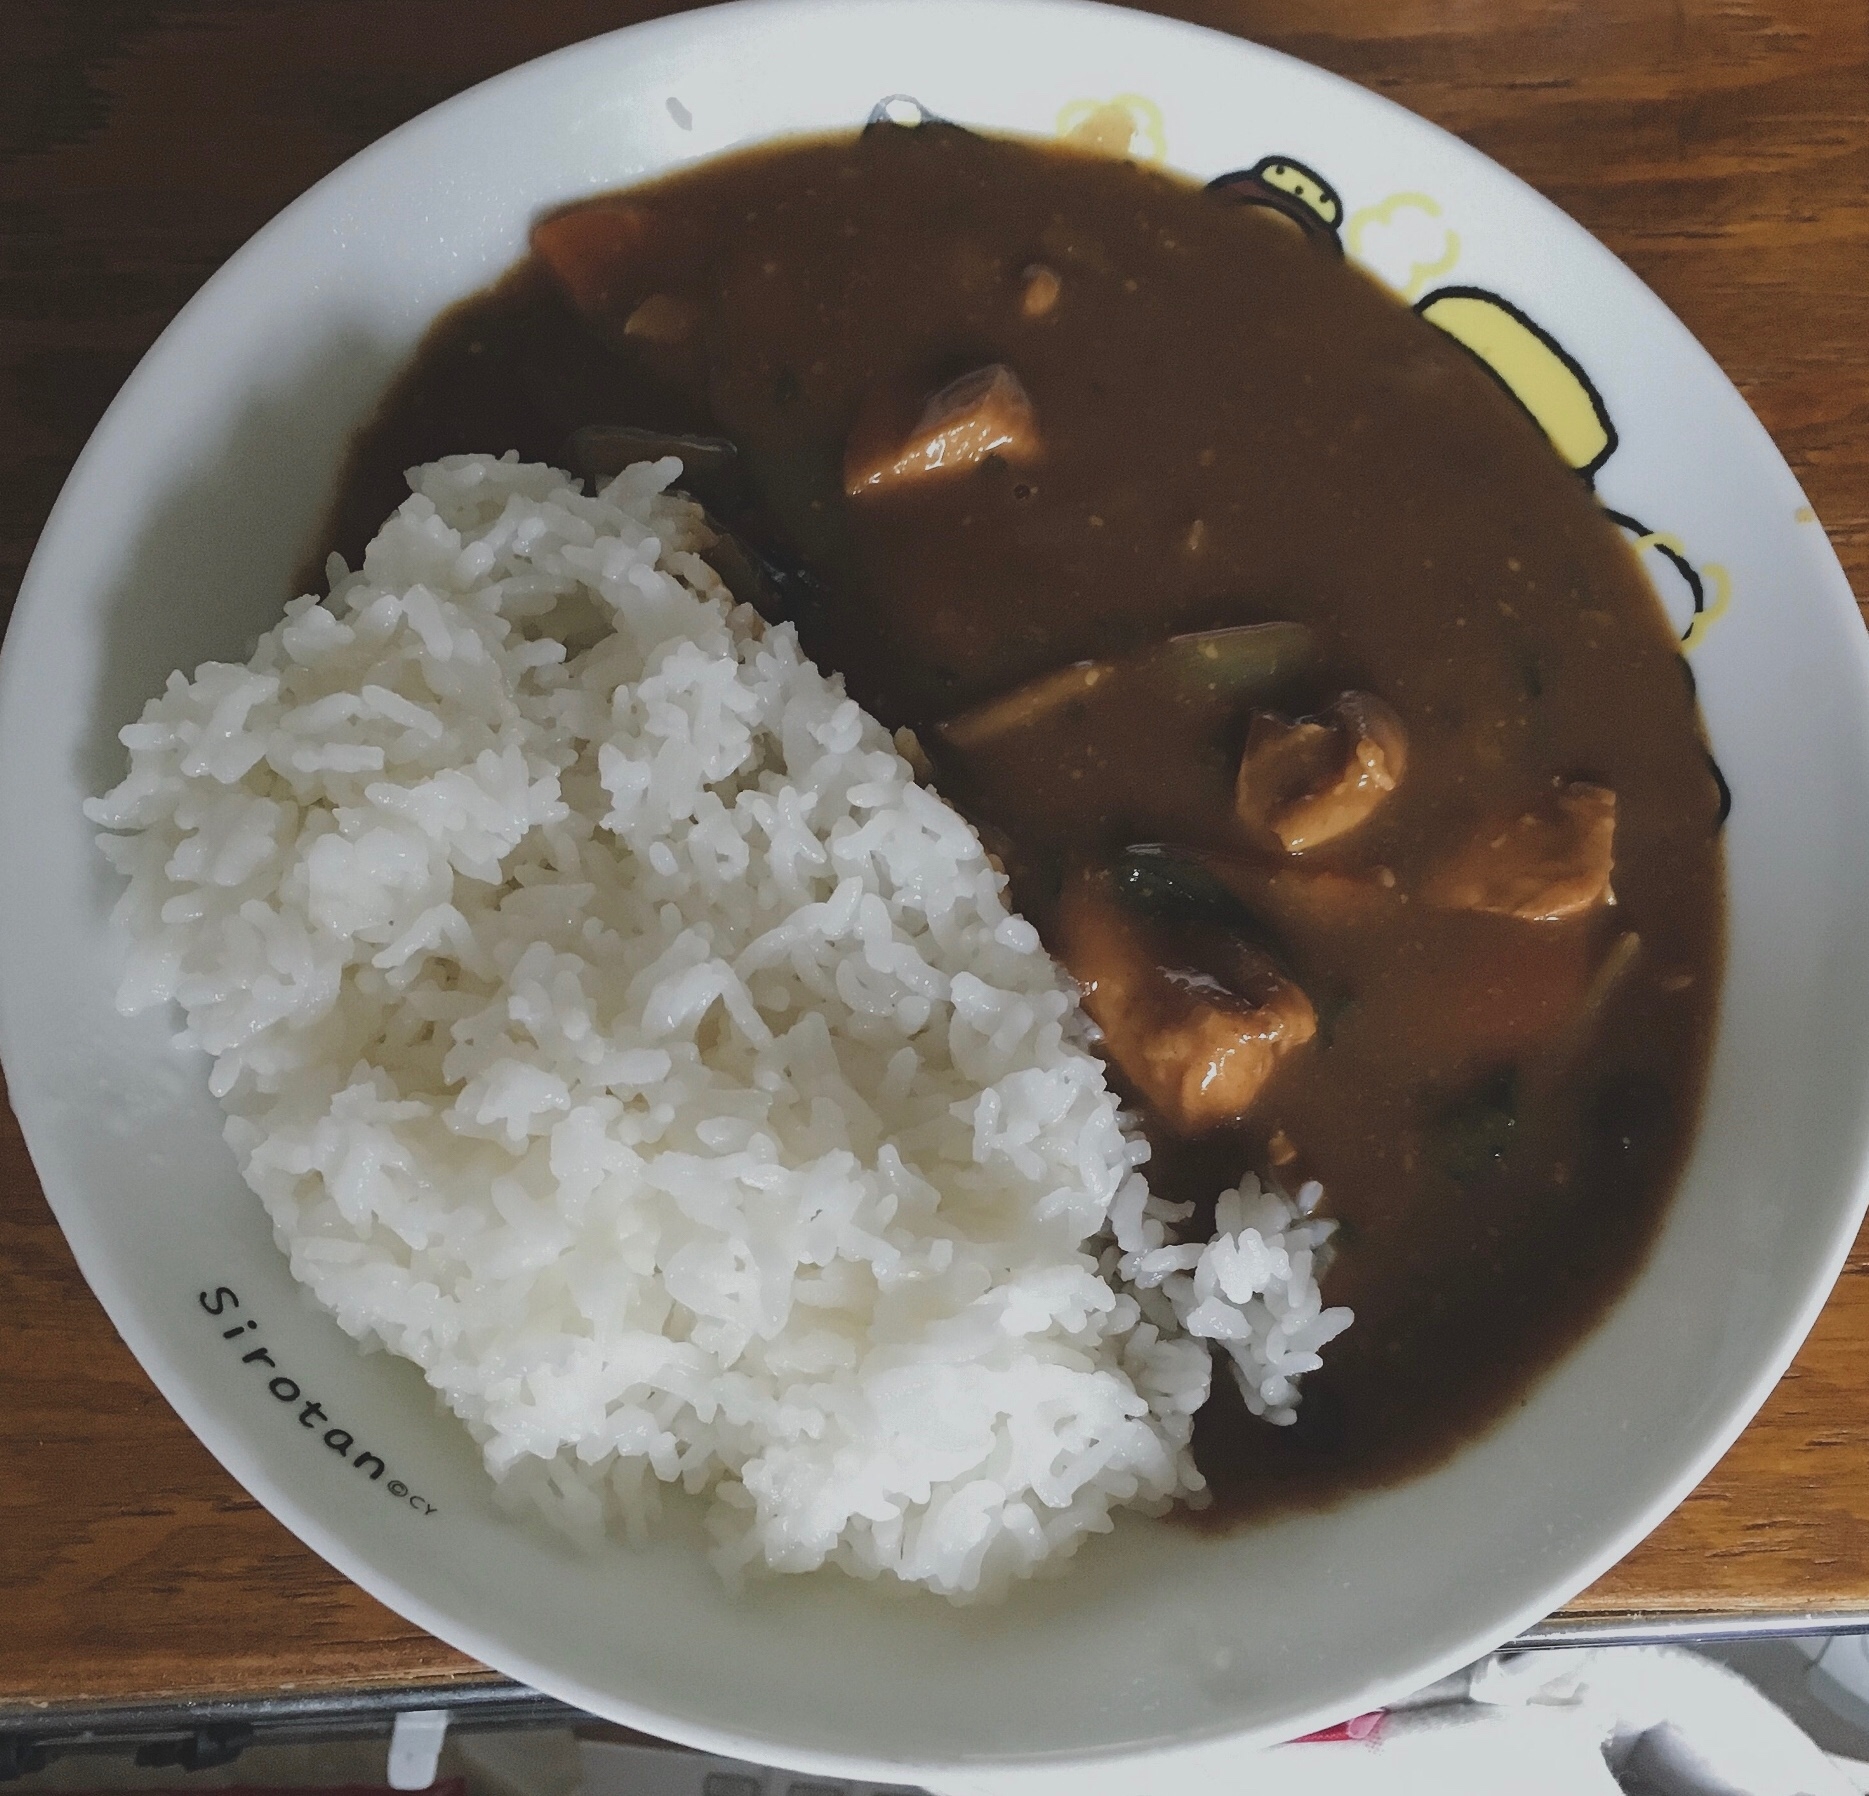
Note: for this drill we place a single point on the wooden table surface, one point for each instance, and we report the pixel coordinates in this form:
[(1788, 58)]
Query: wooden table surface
[(1720, 146)]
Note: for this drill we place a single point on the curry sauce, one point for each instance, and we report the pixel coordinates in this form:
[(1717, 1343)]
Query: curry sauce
[(1188, 415)]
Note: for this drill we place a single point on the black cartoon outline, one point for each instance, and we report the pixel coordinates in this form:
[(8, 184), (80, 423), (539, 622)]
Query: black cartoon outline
[(1293, 190), (1530, 325)]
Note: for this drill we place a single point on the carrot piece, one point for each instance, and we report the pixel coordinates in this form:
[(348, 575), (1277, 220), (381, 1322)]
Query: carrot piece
[(595, 249)]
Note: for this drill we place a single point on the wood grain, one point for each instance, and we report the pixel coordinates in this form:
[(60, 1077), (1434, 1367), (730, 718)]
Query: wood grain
[(1720, 146)]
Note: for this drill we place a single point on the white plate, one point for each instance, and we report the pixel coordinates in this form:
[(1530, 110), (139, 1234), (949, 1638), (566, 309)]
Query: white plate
[(173, 542)]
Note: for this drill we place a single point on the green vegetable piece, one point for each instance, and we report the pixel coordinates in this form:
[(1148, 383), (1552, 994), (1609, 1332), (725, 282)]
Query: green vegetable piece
[(1174, 886), (1473, 1137), (1247, 664), (1241, 665)]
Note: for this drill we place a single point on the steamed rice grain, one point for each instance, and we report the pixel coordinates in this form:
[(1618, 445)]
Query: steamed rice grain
[(612, 1026)]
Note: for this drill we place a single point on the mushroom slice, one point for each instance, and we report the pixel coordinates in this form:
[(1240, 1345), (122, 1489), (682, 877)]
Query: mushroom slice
[(710, 466), (1310, 780), (1198, 1041), (1550, 862), (983, 413)]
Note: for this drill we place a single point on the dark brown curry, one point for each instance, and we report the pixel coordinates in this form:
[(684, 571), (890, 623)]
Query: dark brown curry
[(1419, 895)]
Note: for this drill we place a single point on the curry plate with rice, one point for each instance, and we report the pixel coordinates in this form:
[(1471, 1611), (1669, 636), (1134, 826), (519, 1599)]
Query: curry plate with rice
[(613, 1025), (175, 543)]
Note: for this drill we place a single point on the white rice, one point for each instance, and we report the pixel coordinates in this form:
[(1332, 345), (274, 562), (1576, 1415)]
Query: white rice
[(618, 1032)]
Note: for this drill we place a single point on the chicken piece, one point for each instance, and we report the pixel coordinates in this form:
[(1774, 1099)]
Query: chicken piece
[(1551, 862), (1199, 1042), (1340, 927), (983, 413), (1311, 780), (1308, 903)]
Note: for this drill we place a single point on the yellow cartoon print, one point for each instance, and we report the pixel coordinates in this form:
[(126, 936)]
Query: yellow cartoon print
[(1695, 598), (1563, 402), (1542, 376), (1287, 187), (1403, 240), (1530, 364), (1310, 190), (1127, 125)]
